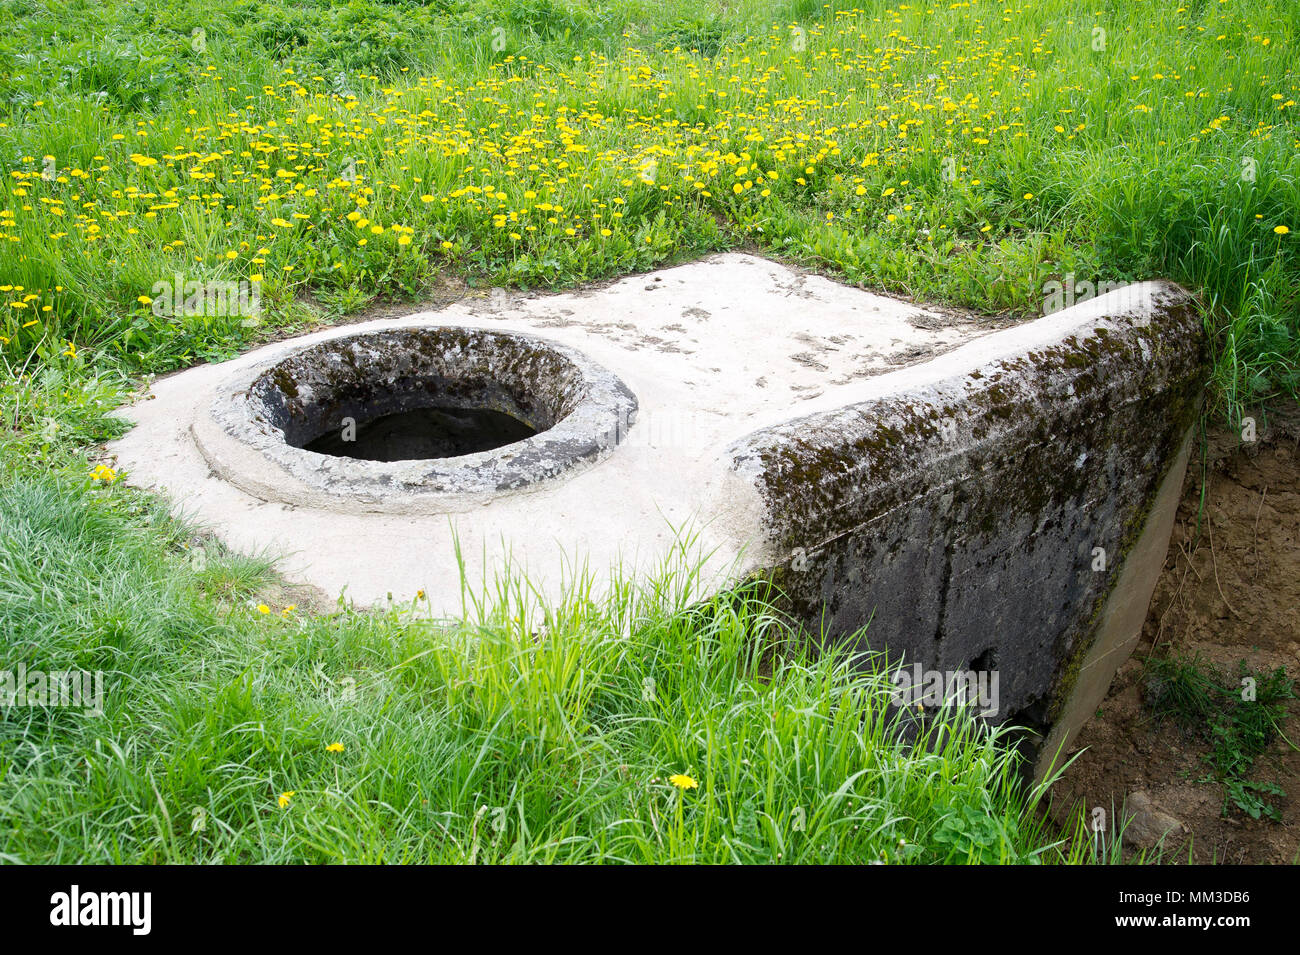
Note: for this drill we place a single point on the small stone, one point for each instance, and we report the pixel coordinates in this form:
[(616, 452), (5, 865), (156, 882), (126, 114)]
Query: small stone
[(1147, 825)]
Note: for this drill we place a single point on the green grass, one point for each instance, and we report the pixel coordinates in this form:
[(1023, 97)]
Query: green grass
[(517, 737), (967, 153), (1239, 718)]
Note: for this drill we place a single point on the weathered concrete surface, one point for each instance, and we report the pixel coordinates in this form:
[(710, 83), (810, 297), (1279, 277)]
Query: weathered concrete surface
[(1120, 622), (951, 485), (979, 519)]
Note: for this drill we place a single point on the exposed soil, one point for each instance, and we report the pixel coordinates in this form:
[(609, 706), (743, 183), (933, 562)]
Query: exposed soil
[(1230, 591)]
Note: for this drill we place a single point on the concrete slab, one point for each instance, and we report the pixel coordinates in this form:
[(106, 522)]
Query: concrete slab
[(712, 350)]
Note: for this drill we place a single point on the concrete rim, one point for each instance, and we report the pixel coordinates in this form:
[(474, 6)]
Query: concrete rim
[(585, 408)]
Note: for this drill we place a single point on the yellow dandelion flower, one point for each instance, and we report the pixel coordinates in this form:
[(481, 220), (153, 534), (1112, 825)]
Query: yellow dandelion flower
[(334, 748), (285, 797), (682, 781), (1281, 229)]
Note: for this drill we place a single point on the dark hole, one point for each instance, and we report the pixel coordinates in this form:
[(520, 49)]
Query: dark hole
[(438, 432)]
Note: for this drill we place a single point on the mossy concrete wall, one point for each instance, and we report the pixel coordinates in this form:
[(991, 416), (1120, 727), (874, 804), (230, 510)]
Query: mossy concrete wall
[(980, 521)]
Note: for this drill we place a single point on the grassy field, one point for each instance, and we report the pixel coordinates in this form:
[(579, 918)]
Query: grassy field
[(968, 152), (332, 155), (231, 734)]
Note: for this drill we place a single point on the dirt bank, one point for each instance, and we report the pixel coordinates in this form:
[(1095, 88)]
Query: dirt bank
[(1230, 591)]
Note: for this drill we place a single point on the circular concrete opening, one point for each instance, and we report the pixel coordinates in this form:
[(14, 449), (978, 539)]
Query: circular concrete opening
[(413, 411), (417, 394)]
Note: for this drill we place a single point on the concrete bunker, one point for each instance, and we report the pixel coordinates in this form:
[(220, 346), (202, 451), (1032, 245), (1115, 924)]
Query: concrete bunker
[(967, 498)]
